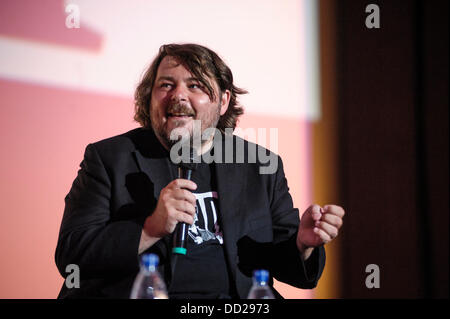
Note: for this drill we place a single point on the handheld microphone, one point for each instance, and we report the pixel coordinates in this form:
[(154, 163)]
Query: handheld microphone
[(180, 237)]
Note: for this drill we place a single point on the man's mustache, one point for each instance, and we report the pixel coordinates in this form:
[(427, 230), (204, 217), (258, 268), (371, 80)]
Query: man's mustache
[(180, 109)]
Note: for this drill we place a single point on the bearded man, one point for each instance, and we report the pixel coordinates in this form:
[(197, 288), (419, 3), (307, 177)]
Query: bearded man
[(127, 199)]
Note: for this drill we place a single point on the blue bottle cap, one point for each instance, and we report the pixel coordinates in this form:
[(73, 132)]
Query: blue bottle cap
[(149, 261), (261, 275)]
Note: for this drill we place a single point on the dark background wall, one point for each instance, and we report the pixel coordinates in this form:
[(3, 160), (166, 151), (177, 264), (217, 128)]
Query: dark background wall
[(393, 147)]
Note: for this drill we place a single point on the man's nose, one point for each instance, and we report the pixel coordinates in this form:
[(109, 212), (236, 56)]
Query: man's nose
[(179, 93)]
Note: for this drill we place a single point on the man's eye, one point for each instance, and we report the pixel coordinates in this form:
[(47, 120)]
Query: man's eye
[(195, 86), (165, 85)]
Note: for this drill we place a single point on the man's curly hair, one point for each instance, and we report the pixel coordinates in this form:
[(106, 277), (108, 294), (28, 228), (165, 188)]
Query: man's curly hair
[(204, 64)]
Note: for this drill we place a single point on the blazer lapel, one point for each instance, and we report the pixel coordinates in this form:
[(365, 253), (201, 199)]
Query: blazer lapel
[(156, 168), (151, 158)]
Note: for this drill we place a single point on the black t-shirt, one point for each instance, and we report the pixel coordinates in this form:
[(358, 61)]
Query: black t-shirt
[(202, 272)]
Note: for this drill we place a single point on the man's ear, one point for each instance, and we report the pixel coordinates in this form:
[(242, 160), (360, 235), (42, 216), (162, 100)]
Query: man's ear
[(224, 102)]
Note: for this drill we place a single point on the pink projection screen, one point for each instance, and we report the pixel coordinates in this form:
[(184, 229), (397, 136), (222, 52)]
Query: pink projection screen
[(68, 70)]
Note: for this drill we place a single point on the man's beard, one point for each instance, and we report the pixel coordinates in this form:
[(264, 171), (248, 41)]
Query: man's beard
[(165, 136)]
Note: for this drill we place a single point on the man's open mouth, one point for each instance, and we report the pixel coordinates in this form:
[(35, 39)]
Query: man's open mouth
[(179, 115)]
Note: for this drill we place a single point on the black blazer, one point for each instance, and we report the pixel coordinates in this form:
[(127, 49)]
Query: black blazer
[(118, 186)]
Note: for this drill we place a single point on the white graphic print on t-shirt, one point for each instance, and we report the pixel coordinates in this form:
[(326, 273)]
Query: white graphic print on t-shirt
[(206, 225)]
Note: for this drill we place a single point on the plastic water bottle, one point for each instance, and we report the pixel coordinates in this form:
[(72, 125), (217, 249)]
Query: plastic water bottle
[(260, 288), (148, 283)]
